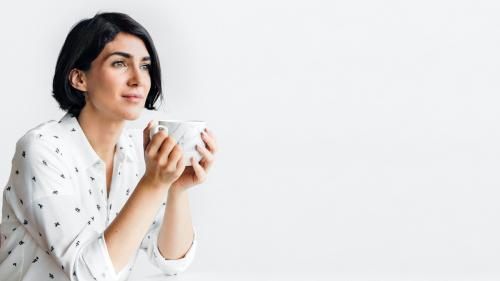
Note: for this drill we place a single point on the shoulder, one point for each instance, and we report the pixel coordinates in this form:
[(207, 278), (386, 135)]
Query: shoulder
[(41, 140)]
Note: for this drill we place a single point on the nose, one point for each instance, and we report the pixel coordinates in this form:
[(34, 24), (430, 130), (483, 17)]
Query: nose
[(136, 77)]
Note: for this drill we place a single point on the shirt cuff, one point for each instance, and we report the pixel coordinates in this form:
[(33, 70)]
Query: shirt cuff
[(97, 258), (172, 267)]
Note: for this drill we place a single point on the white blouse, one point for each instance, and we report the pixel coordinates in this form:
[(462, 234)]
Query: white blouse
[(56, 207)]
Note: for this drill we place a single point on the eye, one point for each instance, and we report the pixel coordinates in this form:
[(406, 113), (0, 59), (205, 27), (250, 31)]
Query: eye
[(118, 63), (146, 66)]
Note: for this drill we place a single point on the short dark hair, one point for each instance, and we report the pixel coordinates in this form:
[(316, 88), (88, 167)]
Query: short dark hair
[(84, 43)]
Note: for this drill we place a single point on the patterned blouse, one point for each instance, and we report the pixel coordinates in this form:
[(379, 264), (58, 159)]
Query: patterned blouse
[(56, 207)]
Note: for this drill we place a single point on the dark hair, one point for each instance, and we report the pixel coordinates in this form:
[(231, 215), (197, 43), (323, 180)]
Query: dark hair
[(84, 43)]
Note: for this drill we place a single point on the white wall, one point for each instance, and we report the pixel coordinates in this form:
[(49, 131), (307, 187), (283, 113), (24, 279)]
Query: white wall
[(357, 138)]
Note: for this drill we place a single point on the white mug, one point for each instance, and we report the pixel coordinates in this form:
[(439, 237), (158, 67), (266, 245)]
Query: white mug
[(186, 133)]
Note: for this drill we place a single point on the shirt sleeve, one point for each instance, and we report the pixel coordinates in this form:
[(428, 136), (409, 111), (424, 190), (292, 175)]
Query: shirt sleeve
[(49, 205), (150, 245)]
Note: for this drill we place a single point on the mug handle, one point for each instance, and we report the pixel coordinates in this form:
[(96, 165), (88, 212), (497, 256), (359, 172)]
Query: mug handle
[(156, 129)]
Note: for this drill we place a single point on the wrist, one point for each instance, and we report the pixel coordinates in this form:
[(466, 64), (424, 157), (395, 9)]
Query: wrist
[(147, 183), (176, 190)]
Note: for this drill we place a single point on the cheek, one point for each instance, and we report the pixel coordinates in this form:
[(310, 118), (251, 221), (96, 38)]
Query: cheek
[(107, 83)]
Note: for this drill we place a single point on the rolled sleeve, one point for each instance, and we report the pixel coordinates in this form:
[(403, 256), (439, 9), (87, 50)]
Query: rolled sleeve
[(94, 254), (169, 267)]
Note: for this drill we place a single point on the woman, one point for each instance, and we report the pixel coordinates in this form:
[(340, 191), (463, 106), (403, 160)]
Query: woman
[(75, 206)]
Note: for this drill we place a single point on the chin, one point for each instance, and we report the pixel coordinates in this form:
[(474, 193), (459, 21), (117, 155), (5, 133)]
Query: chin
[(132, 115)]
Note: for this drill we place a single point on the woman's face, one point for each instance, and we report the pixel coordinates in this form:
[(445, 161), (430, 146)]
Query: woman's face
[(118, 80)]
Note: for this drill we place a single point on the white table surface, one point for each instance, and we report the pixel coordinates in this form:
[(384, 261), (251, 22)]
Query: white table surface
[(144, 271)]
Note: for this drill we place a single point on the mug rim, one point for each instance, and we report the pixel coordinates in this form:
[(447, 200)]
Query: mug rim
[(179, 121)]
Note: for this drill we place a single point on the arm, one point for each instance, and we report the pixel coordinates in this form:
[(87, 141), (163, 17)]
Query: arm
[(176, 232), (124, 235), (163, 159)]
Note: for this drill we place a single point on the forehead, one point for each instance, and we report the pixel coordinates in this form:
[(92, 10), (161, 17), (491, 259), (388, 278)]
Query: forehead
[(127, 43)]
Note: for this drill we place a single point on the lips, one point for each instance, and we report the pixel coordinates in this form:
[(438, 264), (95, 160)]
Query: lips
[(132, 96)]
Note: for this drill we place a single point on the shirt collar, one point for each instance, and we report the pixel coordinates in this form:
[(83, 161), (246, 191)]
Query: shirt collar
[(84, 152)]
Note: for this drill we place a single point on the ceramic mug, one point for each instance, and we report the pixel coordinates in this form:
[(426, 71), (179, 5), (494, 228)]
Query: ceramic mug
[(186, 133)]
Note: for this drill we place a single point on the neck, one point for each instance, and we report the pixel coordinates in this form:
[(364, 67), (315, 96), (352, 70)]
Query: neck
[(101, 131)]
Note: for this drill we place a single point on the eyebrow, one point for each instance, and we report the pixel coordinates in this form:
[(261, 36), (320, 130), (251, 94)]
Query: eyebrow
[(126, 55)]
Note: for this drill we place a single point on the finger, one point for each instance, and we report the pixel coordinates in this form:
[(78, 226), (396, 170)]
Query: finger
[(207, 155), (145, 134), (174, 157), (167, 146), (206, 162), (180, 163), (156, 142), (198, 169), (210, 141), (210, 132)]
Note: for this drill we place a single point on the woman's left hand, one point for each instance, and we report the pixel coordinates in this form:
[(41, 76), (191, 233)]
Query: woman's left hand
[(197, 173)]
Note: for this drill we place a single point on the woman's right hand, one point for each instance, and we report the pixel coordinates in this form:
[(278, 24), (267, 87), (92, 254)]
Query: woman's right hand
[(163, 157)]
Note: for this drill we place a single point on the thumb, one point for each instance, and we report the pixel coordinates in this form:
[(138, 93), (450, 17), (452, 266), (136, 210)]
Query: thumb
[(145, 134)]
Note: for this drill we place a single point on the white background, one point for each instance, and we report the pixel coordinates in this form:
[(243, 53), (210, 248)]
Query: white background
[(357, 139)]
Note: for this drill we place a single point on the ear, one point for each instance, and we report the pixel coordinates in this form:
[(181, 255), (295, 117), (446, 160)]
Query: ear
[(78, 79)]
